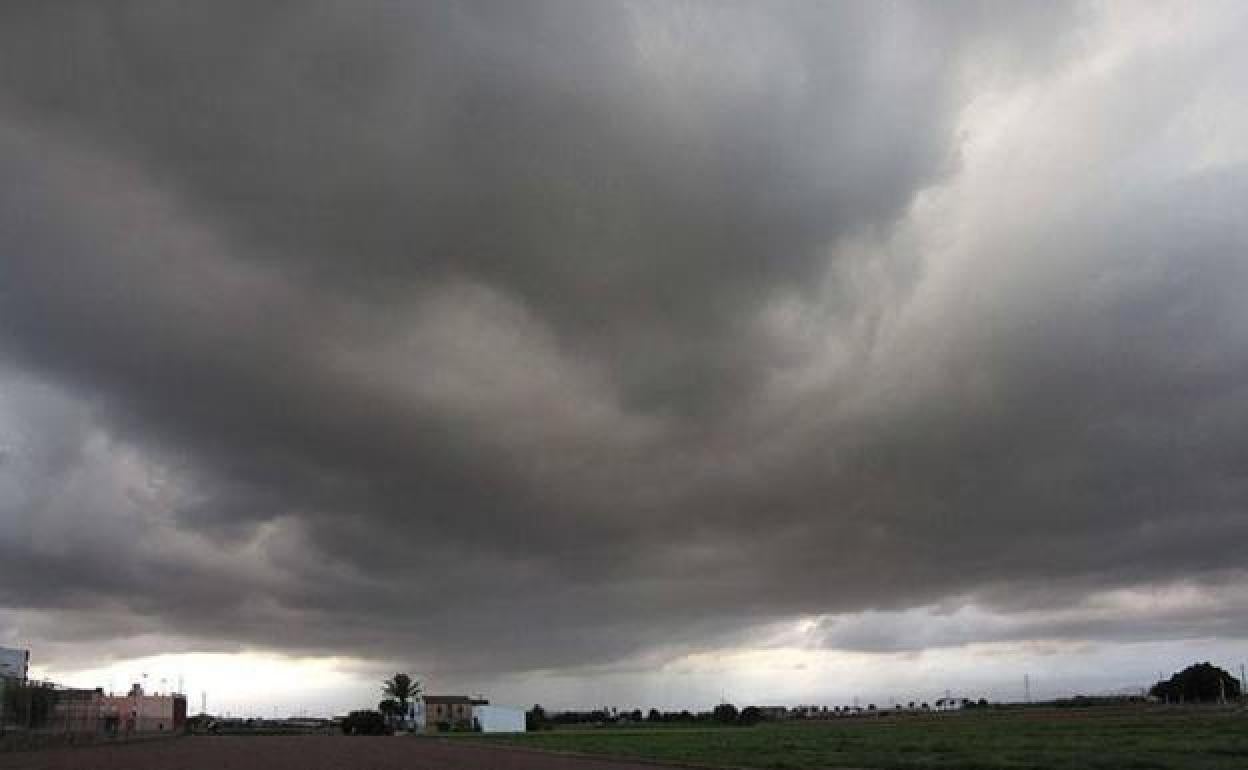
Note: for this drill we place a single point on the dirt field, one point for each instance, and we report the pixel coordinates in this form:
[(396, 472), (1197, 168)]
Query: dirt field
[(305, 752)]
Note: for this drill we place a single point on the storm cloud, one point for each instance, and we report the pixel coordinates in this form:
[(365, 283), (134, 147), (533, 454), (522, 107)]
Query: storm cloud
[(515, 336)]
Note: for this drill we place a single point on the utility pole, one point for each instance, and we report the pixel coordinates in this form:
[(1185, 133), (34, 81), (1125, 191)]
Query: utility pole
[(1027, 688), (1243, 683), (138, 712)]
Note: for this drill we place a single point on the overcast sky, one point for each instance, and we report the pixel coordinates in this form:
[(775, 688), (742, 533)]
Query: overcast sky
[(623, 352)]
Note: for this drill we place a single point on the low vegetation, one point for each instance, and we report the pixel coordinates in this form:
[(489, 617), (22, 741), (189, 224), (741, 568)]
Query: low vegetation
[(365, 722), (25, 704)]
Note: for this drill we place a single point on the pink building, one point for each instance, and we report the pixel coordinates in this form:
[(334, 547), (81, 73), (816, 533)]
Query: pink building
[(137, 712)]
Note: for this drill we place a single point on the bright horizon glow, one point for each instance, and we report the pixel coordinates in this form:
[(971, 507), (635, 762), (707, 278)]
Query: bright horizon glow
[(240, 684)]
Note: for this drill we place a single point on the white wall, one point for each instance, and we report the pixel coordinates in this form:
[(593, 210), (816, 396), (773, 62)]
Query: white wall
[(499, 719), (415, 718)]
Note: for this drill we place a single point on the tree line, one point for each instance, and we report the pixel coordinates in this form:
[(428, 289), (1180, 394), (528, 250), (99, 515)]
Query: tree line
[(537, 718)]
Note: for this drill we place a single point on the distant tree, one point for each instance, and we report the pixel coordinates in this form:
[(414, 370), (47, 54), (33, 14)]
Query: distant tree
[(925, 707), (635, 716), (364, 722), (750, 715), (654, 716), (983, 703), (911, 706), (725, 713), (1197, 683), (402, 688), (535, 718)]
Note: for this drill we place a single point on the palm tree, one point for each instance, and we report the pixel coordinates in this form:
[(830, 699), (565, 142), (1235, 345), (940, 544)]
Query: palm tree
[(402, 688)]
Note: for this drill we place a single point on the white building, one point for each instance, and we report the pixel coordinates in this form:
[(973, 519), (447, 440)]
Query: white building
[(14, 664), (950, 704), (498, 719)]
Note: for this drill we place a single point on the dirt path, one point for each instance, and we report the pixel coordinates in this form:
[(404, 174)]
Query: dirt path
[(310, 752)]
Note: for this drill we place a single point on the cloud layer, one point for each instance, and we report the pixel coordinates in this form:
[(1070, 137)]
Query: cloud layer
[(528, 336)]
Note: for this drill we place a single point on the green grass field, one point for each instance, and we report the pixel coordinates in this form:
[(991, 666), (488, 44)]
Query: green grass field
[(1061, 740)]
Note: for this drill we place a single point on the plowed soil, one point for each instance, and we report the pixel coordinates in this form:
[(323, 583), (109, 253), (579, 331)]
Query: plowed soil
[(304, 752)]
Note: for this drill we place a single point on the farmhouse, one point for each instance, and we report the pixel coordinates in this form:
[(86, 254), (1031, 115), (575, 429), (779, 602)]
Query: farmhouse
[(441, 713), (951, 704), (444, 712), (773, 712)]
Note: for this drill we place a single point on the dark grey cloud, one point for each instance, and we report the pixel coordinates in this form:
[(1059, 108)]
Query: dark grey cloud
[(578, 330)]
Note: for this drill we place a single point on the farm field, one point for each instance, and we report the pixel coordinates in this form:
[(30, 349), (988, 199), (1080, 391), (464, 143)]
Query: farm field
[(1056, 740)]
